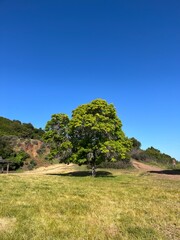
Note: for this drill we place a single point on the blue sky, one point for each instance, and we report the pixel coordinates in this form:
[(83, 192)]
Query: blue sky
[(56, 55)]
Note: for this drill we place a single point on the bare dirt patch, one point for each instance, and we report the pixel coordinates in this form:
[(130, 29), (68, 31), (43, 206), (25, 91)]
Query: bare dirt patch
[(6, 224), (52, 169), (144, 167), (170, 174)]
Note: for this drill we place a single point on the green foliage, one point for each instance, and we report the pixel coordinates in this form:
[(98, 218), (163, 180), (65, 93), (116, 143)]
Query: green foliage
[(156, 155), (56, 135), (96, 134), (11, 135), (135, 143), (18, 159), (42, 149), (92, 136), (16, 128), (5, 149), (32, 164), (122, 164), (153, 154), (6, 152)]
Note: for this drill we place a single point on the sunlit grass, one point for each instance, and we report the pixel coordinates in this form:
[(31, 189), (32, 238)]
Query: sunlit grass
[(124, 206)]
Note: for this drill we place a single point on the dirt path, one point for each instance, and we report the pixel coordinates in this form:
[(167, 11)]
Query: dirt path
[(144, 167), (170, 174)]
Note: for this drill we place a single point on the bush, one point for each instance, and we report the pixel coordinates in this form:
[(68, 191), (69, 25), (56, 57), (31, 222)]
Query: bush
[(140, 156), (6, 150), (122, 164), (32, 164), (18, 159), (42, 149)]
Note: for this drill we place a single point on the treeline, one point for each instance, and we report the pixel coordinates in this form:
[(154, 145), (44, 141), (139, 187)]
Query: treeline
[(16, 128), (150, 155)]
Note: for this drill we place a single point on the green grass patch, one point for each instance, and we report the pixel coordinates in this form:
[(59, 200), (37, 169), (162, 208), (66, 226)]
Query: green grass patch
[(121, 205)]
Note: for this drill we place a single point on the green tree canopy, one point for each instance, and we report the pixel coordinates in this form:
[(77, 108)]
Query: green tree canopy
[(56, 134), (93, 135), (96, 134)]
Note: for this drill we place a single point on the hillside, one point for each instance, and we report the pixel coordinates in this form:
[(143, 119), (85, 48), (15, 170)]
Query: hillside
[(16, 128), (22, 144), (151, 156)]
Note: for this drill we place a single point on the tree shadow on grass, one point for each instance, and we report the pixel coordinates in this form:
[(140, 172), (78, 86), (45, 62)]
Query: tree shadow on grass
[(83, 174), (168, 172)]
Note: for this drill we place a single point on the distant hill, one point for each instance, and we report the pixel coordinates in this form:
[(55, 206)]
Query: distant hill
[(16, 128)]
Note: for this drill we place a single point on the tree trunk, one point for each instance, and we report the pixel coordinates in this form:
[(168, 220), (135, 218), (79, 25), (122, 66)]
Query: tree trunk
[(7, 168), (93, 171)]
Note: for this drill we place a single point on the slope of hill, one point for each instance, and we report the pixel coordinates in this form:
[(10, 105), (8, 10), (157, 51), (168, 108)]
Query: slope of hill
[(22, 144), (151, 156), (36, 149), (16, 128)]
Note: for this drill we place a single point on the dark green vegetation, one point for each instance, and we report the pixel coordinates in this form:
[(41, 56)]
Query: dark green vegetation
[(16, 128), (17, 158), (14, 142), (92, 136), (115, 206)]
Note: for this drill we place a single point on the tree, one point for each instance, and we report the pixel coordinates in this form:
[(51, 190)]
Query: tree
[(136, 148), (96, 134), (92, 136), (7, 152), (135, 143), (56, 134)]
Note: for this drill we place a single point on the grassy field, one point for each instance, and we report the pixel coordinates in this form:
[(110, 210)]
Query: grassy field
[(122, 205)]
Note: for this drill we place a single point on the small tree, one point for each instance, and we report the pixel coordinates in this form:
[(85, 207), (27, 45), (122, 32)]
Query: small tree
[(135, 143), (56, 134)]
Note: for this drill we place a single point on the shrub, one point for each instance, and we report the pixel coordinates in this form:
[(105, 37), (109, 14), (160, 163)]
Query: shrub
[(42, 149), (18, 159), (122, 164), (32, 164)]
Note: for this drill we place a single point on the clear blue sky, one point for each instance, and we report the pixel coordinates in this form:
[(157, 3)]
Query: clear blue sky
[(56, 55)]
